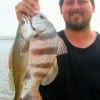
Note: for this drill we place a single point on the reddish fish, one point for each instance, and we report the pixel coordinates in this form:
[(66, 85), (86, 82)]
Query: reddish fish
[(20, 61)]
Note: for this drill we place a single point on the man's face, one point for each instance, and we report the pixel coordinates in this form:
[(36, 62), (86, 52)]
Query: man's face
[(77, 13)]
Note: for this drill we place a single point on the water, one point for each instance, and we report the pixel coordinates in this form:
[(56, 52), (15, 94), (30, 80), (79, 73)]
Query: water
[(5, 92)]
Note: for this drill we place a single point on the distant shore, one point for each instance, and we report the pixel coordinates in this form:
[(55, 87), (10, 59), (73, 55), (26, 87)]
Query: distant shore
[(7, 37)]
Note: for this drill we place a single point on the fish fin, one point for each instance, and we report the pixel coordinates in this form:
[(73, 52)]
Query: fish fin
[(61, 47), (25, 48), (26, 79), (11, 80), (27, 76), (51, 75)]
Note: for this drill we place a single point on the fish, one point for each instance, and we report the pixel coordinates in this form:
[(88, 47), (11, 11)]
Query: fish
[(20, 61), (35, 52)]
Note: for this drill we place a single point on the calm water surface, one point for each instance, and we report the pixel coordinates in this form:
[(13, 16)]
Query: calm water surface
[(5, 92)]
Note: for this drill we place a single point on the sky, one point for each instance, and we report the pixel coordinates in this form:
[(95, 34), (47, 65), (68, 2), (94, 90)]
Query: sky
[(9, 23)]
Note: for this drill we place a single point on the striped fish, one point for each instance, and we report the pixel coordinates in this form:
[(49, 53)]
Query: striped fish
[(44, 47)]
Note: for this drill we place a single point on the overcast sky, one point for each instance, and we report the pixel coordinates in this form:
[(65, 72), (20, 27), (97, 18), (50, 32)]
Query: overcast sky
[(9, 23)]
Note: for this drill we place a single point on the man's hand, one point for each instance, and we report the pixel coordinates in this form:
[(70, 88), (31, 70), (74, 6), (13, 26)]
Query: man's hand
[(27, 7)]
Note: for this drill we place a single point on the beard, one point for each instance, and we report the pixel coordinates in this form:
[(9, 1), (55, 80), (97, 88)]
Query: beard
[(78, 26)]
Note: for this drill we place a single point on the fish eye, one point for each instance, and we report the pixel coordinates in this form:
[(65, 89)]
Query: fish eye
[(41, 16)]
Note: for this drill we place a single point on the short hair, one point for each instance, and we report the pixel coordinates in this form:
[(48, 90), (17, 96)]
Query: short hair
[(61, 2)]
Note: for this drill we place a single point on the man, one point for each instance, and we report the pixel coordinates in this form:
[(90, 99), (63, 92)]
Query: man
[(79, 69)]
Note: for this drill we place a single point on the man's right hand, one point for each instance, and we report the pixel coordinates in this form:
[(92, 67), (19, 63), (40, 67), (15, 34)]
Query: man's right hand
[(27, 7)]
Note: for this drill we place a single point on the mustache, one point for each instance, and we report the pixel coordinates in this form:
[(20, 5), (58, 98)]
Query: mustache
[(76, 12)]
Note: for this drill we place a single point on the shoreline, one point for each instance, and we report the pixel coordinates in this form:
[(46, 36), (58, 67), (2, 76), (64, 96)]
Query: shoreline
[(7, 37)]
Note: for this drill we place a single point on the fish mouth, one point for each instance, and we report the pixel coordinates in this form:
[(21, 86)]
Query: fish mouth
[(38, 28), (38, 32)]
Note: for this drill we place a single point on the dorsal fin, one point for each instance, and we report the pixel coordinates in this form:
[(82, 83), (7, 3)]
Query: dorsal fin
[(61, 47)]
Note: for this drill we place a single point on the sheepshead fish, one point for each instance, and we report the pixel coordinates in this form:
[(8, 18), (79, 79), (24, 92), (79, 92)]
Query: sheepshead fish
[(34, 55), (43, 50)]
